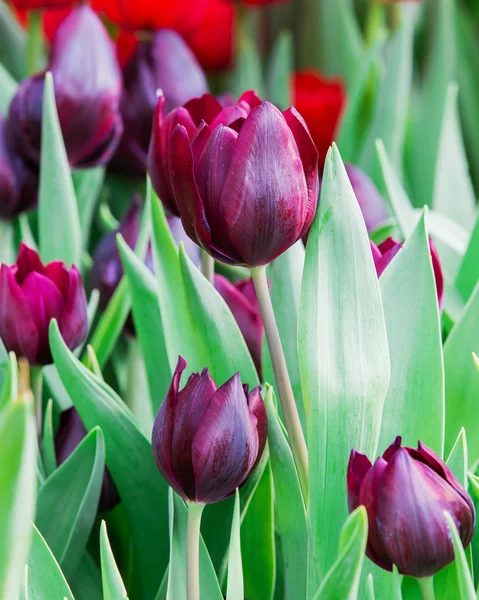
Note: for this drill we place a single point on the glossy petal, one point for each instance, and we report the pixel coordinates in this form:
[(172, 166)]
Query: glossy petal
[(392, 449), (251, 97), (436, 265), (8, 184), (204, 108), (257, 407), (73, 322), (265, 198), (57, 272), (389, 248), (27, 261), (359, 464), (226, 444), (230, 114), (370, 200)]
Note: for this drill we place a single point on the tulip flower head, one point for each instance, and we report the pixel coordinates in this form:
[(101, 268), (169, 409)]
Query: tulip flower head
[(32, 294), (245, 182), (207, 439), (405, 494)]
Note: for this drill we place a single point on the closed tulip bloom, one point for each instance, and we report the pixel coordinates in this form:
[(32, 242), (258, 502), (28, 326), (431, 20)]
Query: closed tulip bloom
[(243, 303), (387, 250), (165, 63), (88, 84), (68, 436), (205, 109), (247, 191), (32, 294), (321, 102), (207, 439), (405, 494), (370, 200)]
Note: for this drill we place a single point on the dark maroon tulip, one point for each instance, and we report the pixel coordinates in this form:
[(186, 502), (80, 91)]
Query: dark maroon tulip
[(88, 84), (370, 200), (387, 250), (32, 294), (207, 439), (243, 303), (69, 434), (167, 64), (405, 494), (248, 191), (205, 109)]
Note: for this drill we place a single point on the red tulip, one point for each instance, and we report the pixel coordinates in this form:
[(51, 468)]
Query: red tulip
[(41, 4), (321, 102)]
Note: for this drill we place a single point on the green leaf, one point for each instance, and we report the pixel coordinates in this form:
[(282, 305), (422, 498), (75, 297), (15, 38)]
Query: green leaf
[(12, 48), (462, 378), (248, 72), (18, 490), (389, 119), (75, 486), (113, 586), (10, 380), (45, 578), (58, 219), (129, 460), (235, 588), (457, 460), (370, 587), (466, 584), (468, 272), (48, 444), (414, 403), (396, 581), (8, 246), (8, 87), (280, 69), (452, 171), (289, 510), (342, 580), (343, 356), (88, 184)]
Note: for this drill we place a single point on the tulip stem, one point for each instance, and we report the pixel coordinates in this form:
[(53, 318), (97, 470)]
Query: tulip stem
[(286, 396), (195, 510), (207, 266), (427, 588)]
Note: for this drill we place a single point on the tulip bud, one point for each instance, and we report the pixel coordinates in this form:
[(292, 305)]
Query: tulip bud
[(243, 303), (207, 439), (246, 190), (32, 294), (165, 63), (88, 84), (405, 494), (321, 102), (387, 250), (370, 200), (69, 434)]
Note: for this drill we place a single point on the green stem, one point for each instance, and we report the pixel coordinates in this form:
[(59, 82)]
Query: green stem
[(35, 46), (395, 16), (208, 266), (195, 511), (374, 21), (427, 588), (286, 396)]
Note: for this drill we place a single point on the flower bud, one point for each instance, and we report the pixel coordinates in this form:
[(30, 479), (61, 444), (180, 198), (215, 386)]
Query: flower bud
[(242, 301), (387, 250), (87, 83), (246, 190), (405, 494), (69, 434), (370, 200), (165, 63), (32, 294), (207, 439)]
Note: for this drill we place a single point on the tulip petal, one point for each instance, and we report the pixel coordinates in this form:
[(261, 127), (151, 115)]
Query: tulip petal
[(27, 261), (230, 114), (199, 141), (73, 322), (17, 327), (370, 200), (226, 444), (205, 108), (70, 433), (411, 524), (265, 198), (392, 449), (359, 464), (57, 272), (389, 248), (436, 265), (251, 97), (185, 190), (8, 185), (375, 252), (257, 407)]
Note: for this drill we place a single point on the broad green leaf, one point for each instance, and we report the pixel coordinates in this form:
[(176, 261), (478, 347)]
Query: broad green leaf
[(389, 119), (58, 219), (468, 273), (88, 184), (12, 48), (452, 179), (129, 460), (396, 584), (279, 70), (25, 231), (289, 510), (86, 583), (45, 578), (342, 580), (48, 444), (466, 584), (284, 275), (414, 405), (18, 490), (113, 586), (8, 87), (462, 378), (137, 393), (247, 74), (370, 587), (343, 357), (457, 460), (9, 379), (75, 486), (8, 246), (235, 587)]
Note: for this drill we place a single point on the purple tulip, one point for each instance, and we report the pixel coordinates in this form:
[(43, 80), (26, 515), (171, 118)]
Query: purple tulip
[(207, 439), (205, 109), (387, 250), (30, 296), (88, 84), (167, 64), (405, 494), (242, 301), (69, 434), (370, 200)]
